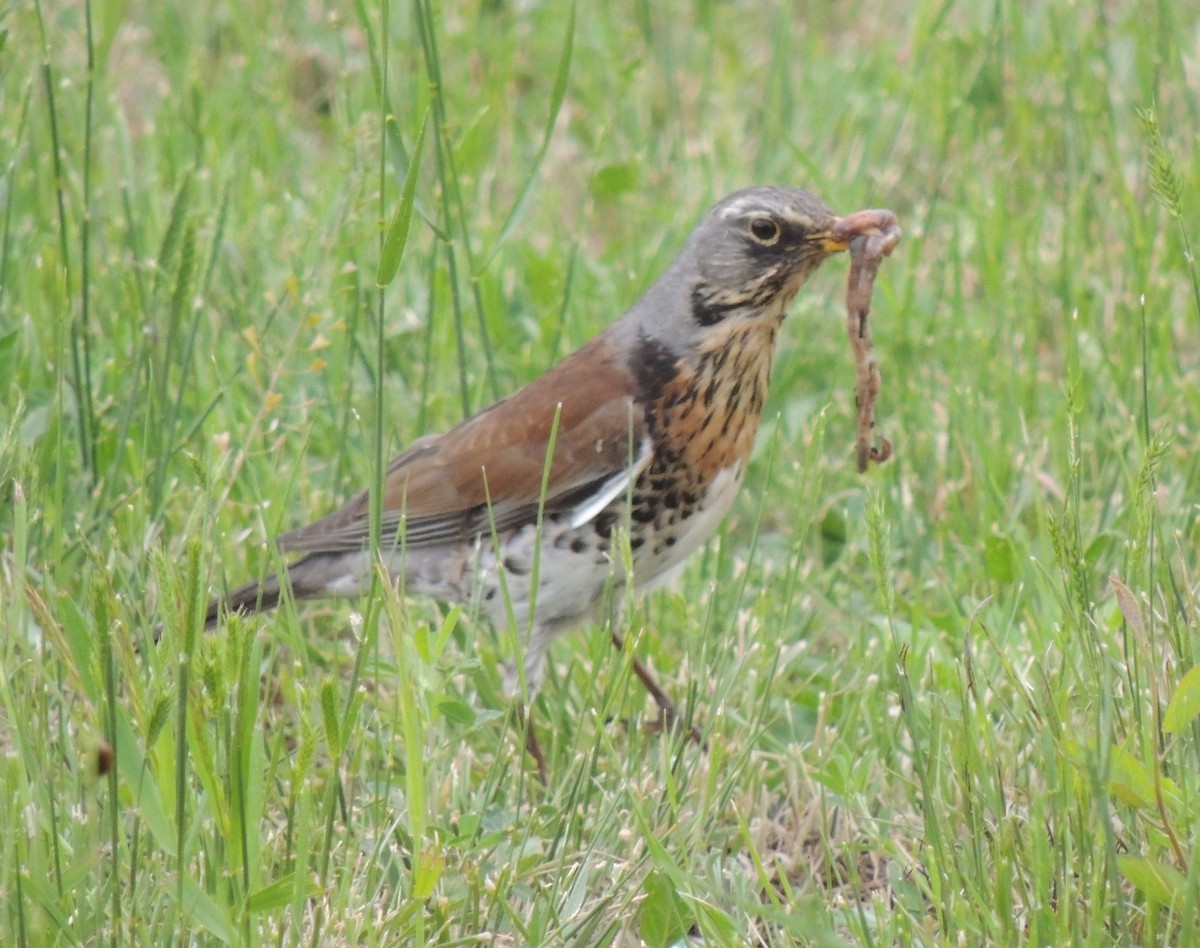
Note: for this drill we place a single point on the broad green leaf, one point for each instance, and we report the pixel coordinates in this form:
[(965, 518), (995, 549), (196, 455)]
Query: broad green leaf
[(662, 918), (135, 773), (200, 907), (1131, 782), (1135, 783), (457, 712), (397, 235), (8, 343), (1158, 882), (613, 181), (428, 871), (1184, 706), (278, 894), (446, 630)]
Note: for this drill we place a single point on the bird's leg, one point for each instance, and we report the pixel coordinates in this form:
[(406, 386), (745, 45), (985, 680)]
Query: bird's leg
[(667, 715), (531, 741)]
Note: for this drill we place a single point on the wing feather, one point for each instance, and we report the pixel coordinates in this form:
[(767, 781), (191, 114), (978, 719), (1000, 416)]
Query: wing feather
[(440, 488)]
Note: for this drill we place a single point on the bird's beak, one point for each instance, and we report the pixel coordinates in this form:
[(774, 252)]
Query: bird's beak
[(844, 229), (832, 244)]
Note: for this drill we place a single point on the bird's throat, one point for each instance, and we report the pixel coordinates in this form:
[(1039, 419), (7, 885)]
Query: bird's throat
[(708, 413)]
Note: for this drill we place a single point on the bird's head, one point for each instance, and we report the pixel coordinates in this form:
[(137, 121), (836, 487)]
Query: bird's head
[(742, 264), (754, 250)]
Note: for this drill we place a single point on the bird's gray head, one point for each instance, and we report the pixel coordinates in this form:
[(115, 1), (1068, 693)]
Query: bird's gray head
[(744, 260), (755, 249)]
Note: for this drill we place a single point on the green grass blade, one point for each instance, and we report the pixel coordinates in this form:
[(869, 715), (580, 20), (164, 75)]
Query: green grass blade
[(562, 75), (397, 232)]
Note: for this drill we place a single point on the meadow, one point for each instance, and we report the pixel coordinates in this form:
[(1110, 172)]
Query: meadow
[(249, 250)]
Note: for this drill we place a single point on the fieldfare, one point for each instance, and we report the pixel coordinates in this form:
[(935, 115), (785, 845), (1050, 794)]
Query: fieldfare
[(648, 428)]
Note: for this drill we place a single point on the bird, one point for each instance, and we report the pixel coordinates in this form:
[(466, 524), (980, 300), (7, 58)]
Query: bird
[(645, 433)]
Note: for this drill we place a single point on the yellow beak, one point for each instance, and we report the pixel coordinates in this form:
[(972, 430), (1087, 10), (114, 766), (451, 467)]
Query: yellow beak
[(831, 244)]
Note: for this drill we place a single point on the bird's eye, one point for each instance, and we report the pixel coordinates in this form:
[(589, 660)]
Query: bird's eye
[(764, 230)]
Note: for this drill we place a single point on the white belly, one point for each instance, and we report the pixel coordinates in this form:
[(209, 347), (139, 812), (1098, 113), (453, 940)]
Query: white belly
[(656, 569)]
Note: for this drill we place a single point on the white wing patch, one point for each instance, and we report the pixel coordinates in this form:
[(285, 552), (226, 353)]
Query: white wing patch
[(613, 488)]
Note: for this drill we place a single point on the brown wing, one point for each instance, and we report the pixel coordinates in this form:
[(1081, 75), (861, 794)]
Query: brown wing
[(441, 486)]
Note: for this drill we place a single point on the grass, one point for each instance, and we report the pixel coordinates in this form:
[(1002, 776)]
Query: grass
[(951, 702)]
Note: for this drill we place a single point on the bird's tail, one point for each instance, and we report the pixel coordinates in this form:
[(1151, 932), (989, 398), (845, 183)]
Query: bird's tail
[(252, 597), (307, 578)]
